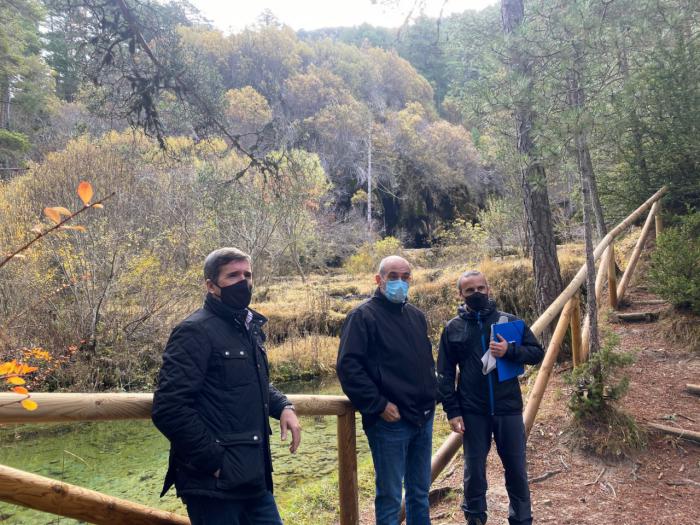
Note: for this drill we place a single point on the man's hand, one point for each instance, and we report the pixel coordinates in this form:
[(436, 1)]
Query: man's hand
[(498, 349), (391, 413), (289, 421), (457, 424)]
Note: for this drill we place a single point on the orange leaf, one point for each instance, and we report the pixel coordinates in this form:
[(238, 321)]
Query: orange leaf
[(76, 228), (28, 404), (62, 210), (85, 192), (20, 390), (98, 205), (52, 214), (15, 380)]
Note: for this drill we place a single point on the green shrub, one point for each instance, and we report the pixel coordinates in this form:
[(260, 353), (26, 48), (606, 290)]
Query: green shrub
[(598, 426), (674, 270), (368, 256)]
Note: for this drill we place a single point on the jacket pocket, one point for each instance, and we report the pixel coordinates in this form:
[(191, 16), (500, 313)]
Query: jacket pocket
[(235, 367), (243, 464)]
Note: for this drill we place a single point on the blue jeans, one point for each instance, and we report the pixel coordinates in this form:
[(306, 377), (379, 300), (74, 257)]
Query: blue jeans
[(401, 453), (509, 434), (203, 510)]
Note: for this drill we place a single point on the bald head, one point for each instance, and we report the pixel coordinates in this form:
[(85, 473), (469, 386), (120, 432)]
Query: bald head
[(393, 263)]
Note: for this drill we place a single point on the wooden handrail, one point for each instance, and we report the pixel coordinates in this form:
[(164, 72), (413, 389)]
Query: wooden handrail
[(56, 408), (71, 501), (48, 495), (553, 310)]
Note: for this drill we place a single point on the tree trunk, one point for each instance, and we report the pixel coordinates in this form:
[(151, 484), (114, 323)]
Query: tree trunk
[(4, 103), (576, 99), (548, 283)]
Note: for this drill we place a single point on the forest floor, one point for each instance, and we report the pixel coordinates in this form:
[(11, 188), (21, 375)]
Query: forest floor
[(659, 485)]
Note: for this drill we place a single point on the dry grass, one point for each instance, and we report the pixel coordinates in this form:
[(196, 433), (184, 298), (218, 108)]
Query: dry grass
[(303, 358)]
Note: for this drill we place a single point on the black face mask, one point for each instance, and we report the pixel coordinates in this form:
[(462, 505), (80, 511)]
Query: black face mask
[(237, 295), (477, 301)]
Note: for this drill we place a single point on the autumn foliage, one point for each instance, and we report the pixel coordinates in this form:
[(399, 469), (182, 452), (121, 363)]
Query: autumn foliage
[(13, 372)]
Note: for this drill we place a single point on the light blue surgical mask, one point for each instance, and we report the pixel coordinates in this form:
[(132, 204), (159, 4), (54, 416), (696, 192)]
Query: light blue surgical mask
[(396, 291)]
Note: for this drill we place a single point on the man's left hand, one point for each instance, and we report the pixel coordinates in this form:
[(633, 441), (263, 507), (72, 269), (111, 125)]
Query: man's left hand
[(498, 348), (289, 421)]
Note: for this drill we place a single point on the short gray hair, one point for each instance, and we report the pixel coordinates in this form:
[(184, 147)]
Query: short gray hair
[(468, 273), (221, 257)]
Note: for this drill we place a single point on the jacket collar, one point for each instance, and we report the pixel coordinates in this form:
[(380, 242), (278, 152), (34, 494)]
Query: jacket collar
[(227, 313), (381, 299)]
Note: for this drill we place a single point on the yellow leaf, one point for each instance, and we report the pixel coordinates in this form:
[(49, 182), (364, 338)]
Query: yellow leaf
[(20, 390), (15, 380), (98, 205), (52, 214), (62, 210), (30, 405), (76, 228), (85, 192)]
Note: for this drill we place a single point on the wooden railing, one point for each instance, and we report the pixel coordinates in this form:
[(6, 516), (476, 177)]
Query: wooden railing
[(567, 304), (56, 497)]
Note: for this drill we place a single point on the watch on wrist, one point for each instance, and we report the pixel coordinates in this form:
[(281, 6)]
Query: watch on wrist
[(290, 407)]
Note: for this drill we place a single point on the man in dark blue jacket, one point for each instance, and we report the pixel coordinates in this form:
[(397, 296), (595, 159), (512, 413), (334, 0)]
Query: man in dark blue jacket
[(386, 368), (214, 399), (479, 405)]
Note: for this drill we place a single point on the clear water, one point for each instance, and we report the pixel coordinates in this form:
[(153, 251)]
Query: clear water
[(128, 459)]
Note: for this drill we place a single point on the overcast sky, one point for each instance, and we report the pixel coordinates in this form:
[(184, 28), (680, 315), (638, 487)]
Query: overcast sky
[(234, 15)]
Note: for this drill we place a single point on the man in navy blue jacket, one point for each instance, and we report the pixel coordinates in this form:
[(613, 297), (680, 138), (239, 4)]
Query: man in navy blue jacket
[(479, 405)]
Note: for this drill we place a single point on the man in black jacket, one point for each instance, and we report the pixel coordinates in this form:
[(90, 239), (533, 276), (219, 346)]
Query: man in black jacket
[(214, 399), (386, 368), (479, 405)]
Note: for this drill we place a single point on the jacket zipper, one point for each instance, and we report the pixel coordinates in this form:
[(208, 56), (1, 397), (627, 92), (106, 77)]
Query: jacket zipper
[(490, 374)]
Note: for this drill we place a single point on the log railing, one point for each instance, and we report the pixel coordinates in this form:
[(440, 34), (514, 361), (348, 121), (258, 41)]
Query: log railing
[(567, 304), (56, 497)]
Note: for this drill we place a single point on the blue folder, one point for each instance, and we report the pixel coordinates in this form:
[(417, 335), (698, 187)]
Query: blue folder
[(513, 333)]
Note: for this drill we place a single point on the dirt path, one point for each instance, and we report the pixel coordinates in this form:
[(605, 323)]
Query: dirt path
[(660, 486)]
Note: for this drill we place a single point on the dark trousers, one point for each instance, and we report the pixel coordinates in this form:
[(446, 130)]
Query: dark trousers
[(214, 511), (509, 434)]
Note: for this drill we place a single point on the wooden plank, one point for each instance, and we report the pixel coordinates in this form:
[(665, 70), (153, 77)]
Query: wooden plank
[(49, 495), (545, 371), (629, 271), (693, 389), (348, 487), (690, 435), (636, 317), (64, 407)]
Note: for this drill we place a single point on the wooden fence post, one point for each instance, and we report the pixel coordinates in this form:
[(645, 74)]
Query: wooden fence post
[(629, 271), (612, 277), (575, 325), (658, 221), (347, 470), (537, 393)]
